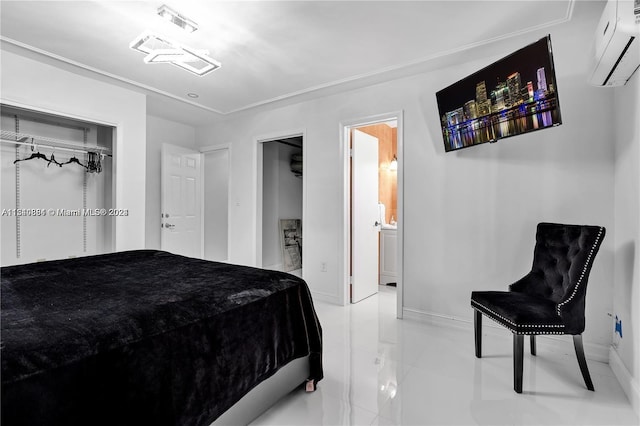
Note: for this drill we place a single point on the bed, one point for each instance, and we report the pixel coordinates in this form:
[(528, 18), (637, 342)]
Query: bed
[(150, 337)]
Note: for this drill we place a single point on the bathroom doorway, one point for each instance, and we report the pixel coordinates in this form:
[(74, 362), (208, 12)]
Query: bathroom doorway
[(373, 252)]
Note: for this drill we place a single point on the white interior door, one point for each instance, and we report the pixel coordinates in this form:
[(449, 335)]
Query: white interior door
[(364, 216), (180, 201)]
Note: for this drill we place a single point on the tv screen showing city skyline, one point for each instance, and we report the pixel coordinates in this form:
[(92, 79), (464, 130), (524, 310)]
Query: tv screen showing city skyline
[(514, 95)]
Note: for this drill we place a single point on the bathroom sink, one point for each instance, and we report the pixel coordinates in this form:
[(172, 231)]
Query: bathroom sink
[(389, 226)]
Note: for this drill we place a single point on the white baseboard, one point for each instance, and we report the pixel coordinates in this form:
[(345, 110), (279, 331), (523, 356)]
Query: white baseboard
[(325, 297), (592, 351), (629, 385), (274, 267)]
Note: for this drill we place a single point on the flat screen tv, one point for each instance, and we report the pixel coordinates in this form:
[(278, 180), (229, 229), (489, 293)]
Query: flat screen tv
[(515, 95)]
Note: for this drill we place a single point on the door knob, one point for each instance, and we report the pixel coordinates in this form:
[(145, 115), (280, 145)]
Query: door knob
[(377, 223), (168, 225)]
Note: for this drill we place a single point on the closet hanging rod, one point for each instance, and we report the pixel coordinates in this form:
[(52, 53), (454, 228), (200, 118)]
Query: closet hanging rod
[(9, 137)]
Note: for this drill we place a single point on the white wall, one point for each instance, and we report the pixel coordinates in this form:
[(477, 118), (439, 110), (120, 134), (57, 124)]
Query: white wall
[(159, 131), (36, 85), (469, 216), (216, 205), (281, 199), (625, 358)]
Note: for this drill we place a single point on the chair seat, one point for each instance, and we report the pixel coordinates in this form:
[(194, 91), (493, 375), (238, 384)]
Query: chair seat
[(519, 312)]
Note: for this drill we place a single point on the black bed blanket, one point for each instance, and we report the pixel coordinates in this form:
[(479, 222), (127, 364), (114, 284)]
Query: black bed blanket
[(145, 338)]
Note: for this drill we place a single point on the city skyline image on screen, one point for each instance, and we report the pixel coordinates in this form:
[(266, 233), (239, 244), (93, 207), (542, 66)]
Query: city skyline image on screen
[(514, 95)]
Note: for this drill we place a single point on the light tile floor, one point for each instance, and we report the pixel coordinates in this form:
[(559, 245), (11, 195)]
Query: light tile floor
[(383, 371)]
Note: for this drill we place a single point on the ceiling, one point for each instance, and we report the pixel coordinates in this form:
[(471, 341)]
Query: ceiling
[(271, 51)]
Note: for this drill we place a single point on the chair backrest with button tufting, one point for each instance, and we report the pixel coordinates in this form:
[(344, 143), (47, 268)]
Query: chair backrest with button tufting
[(562, 260)]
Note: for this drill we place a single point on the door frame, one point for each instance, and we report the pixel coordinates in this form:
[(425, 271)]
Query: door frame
[(259, 142), (203, 152), (345, 129)]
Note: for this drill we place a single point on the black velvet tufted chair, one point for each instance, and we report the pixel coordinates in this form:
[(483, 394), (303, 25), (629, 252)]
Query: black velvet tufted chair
[(548, 300)]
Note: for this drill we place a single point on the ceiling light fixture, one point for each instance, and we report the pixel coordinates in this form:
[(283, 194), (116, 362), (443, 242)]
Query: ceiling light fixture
[(177, 19), (162, 50)]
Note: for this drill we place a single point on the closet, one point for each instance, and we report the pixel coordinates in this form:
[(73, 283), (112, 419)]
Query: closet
[(57, 187)]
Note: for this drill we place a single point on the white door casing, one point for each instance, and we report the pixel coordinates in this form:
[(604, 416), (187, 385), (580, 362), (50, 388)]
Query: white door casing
[(364, 214), (181, 201)]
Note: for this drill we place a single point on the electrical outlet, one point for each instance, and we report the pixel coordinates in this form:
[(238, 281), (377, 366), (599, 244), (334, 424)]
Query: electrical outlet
[(617, 333), (323, 267), (618, 329)]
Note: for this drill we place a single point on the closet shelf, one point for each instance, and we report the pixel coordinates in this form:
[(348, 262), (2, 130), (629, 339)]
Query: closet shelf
[(9, 137)]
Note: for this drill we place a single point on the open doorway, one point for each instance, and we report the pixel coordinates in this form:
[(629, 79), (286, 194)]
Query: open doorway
[(281, 195), (373, 255)]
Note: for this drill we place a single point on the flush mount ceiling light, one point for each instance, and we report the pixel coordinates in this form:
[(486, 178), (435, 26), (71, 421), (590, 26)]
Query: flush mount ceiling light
[(161, 50), (177, 19)]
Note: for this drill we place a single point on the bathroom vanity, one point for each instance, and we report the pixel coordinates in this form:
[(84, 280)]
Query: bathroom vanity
[(388, 251)]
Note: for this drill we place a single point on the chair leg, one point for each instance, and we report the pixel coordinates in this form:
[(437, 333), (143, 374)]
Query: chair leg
[(582, 361), (532, 340), (477, 328), (518, 349)]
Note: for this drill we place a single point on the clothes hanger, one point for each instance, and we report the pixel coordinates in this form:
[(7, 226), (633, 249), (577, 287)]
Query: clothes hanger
[(94, 164), (53, 160), (91, 162), (74, 159), (34, 155), (98, 163)]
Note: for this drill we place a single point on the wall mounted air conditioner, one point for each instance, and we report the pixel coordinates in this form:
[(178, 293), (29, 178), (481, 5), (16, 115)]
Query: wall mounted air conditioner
[(617, 44)]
